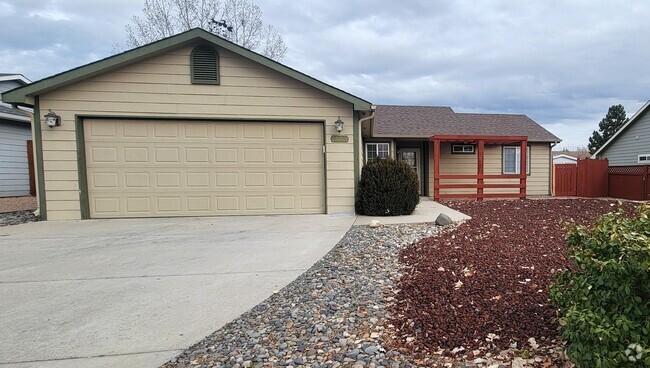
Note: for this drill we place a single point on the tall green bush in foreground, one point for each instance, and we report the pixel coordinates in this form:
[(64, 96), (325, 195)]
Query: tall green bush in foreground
[(387, 188), (605, 299)]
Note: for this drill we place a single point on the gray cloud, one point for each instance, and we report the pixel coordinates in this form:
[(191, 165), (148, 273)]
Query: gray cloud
[(561, 63)]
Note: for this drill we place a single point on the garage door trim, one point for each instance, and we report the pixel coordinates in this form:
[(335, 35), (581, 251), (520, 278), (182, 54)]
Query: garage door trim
[(84, 197)]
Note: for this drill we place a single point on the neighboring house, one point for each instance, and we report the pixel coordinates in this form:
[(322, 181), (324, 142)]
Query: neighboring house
[(194, 125), (15, 131), (630, 145), (569, 157), (409, 133)]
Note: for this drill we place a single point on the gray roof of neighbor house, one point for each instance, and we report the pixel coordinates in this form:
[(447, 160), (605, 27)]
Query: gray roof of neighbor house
[(19, 95), (7, 112), (426, 121), (581, 155), (14, 76)]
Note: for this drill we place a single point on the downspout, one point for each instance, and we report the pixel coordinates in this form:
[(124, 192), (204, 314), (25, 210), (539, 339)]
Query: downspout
[(373, 109), (359, 151)]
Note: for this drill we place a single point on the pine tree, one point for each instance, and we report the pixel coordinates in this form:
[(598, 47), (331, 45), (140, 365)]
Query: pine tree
[(609, 125)]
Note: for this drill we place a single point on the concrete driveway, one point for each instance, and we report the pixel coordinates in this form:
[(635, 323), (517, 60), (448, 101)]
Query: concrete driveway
[(135, 293)]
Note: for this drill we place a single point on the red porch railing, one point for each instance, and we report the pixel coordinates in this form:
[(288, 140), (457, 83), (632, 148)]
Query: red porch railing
[(479, 185)]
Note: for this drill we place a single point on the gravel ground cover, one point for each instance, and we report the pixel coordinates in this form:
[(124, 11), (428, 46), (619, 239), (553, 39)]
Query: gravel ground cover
[(17, 217), (335, 314), (13, 204), (17, 210), (481, 289)]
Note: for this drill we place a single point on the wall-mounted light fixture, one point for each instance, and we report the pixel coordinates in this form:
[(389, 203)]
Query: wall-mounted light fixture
[(52, 119), (339, 125)]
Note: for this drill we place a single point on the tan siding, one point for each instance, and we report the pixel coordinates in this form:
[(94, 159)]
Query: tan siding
[(537, 182), (57, 215), (539, 179), (160, 87)]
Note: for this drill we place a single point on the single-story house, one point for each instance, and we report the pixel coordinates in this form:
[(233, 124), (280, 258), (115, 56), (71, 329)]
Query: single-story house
[(478, 153), (630, 145), (194, 125), (569, 157), (15, 131)]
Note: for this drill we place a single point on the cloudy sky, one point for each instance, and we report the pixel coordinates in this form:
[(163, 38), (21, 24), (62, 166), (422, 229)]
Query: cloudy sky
[(563, 63)]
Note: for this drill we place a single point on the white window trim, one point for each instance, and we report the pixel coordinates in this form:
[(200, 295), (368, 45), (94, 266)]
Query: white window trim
[(647, 159), (376, 144), (517, 160), (462, 151)]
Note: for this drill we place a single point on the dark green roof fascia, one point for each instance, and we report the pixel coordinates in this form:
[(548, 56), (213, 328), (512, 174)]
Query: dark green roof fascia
[(19, 95)]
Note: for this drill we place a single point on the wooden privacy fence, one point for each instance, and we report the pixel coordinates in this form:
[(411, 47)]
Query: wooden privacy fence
[(629, 182), (594, 178), (587, 178), (566, 176)]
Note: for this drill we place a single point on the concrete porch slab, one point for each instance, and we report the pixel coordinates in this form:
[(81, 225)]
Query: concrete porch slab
[(426, 211)]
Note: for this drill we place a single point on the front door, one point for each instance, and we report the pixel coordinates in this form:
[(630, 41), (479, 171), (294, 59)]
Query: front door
[(412, 157)]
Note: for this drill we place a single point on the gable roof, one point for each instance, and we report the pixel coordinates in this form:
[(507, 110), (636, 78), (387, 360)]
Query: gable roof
[(581, 155), (566, 157), (632, 120), (426, 121), (20, 95)]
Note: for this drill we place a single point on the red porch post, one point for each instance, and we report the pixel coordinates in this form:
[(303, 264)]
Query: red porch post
[(436, 169), (524, 169), (479, 181)]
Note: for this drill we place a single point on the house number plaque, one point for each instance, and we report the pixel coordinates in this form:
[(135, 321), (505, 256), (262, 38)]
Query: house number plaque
[(339, 139)]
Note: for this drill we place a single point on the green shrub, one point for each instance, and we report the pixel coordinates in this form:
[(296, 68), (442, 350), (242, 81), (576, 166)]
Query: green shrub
[(387, 188), (604, 299)]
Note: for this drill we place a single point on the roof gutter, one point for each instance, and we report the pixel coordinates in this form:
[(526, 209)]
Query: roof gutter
[(20, 118), (373, 109)]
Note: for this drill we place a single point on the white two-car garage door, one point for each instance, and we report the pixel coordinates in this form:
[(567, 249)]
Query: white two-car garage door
[(154, 168)]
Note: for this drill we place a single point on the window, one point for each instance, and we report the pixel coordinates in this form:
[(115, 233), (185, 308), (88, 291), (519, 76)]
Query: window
[(644, 159), (204, 65), (512, 160), (377, 151), (462, 148)]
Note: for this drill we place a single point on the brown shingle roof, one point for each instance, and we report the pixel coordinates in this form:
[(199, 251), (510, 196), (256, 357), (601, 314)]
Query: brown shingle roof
[(425, 121)]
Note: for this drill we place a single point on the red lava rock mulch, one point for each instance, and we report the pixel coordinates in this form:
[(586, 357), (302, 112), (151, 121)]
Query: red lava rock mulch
[(488, 276)]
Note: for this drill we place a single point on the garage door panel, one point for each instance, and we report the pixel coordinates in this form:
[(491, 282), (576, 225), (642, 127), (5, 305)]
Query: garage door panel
[(143, 168), (135, 205)]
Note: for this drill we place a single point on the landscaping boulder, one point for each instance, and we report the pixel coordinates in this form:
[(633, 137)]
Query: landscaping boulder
[(443, 220)]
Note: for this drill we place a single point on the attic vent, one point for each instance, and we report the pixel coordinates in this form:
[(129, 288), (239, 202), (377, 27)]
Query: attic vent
[(204, 65)]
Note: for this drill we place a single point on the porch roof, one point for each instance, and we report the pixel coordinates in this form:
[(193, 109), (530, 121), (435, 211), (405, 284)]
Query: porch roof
[(473, 139), (425, 121)]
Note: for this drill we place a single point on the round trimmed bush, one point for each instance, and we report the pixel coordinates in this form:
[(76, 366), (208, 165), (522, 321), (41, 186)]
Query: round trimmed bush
[(387, 188)]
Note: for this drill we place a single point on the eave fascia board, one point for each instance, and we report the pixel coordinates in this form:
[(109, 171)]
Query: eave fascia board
[(12, 77)]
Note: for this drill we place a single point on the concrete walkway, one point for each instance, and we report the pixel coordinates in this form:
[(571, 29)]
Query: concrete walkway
[(135, 293), (426, 211)]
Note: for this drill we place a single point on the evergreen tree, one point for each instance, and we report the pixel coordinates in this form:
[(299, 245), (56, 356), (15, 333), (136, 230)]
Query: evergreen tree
[(609, 125)]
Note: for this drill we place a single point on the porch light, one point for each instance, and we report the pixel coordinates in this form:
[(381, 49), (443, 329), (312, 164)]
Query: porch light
[(339, 125), (52, 119)]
